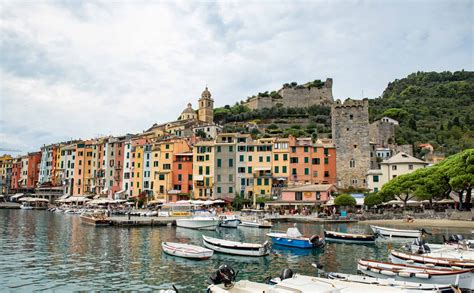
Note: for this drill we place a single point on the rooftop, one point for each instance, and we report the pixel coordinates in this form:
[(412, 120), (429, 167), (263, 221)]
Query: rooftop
[(403, 158)]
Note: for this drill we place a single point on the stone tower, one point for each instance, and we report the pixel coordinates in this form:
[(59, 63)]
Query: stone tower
[(206, 107), (350, 133)]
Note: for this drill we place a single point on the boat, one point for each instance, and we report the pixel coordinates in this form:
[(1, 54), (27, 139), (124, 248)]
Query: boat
[(186, 250), (293, 238), (424, 260), (95, 218), (257, 223), (223, 281), (198, 222), (419, 246), (32, 203), (382, 282), (229, 221), (235, 247), (402, 272), (398, 233), (348, 238)]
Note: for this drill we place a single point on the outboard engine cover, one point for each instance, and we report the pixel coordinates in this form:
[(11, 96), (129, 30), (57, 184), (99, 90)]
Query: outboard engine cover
[(286, 274), (316, 240), (225, 274)]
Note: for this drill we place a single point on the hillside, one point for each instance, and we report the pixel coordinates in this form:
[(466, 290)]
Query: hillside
[(432, 108)]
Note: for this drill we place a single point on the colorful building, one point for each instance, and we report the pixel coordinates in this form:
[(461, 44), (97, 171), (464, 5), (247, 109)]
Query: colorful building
[(34, 161), (203, 169), (182, 177), (6, 163)]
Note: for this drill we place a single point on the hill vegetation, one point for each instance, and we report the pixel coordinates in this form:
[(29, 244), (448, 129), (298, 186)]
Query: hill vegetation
[(431, 107)]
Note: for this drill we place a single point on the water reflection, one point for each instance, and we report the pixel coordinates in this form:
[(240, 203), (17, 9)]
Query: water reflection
[(47, 251)]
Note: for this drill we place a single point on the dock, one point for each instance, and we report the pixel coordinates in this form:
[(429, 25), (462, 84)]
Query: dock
[(9, 205), (123, 221)]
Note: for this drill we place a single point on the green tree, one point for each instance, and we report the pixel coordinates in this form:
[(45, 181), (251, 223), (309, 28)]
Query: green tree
[(373, 199), (345, 200)]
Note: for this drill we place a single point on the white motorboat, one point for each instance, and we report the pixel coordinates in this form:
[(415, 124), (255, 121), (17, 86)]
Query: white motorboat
[(229, 221), (424, 260), (398, 233), (383, 282), (304, 284), (348, 237), (403, 272), (199, 223), (235, 247), (186, 250), (256, 223)]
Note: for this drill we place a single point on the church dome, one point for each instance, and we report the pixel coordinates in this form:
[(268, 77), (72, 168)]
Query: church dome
[(188, 110), (206, 94)]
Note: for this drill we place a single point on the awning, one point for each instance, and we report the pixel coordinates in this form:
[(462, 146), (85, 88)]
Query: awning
[(262, 168), (17, 195), (120, 192), (293, 203)]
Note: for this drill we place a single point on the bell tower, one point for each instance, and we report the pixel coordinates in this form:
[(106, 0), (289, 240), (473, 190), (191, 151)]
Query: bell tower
[(206, 107)]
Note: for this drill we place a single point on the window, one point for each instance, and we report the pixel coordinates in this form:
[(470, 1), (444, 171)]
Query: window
[(376, 178), (180, 166), (266, 181), (259, 181), (219, 163), (275, 157), (283, 169), (306, 171), (208, 171), (231, 149), (250, 158), (318, 195), (277, 169), (249, 170), (219, 189), (293, 149), (260, 159), (161, 177), (305, 149), (294, 160), (354, 181), (268, 159), (306, 160), (352, 163), (231, 162), (167, 146), (326, 161), (207, 157), (190, 177), (293, 171), (299, 195), (241, 158), (394, 167), (326, 152), (241, 170), (200, 170), (218, 148), (376, 189), (167, 156), (410, 167), (326, 173), (166, 166), (242, 181), (316, 161), (231, 190), (138, 165), (285, 157), (180, 177), (231, 178)]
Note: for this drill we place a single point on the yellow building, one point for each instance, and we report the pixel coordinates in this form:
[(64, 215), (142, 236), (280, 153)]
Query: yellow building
[(137, 170), (6, 163), (262, 167), (203, 169), (280, 162)]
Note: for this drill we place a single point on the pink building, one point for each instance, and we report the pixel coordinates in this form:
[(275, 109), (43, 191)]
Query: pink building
[(305, 195)]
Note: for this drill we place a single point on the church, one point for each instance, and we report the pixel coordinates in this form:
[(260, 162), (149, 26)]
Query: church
[(191, 122)]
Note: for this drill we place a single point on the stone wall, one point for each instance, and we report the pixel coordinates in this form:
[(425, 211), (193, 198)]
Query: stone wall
[(382, 133), (296, 97), (350, 133)]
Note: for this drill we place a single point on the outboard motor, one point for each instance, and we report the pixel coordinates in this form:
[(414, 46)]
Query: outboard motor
[(286, 274), (316, 240), (225, 274)]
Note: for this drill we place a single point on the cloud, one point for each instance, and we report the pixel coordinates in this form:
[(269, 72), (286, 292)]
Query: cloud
[(82, 69)]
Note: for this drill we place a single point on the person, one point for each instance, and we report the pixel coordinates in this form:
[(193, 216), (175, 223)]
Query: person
[(334, 211)]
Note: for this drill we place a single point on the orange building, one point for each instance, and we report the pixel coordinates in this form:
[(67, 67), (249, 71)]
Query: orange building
[(182, 177), (34, 160), (312, 163)]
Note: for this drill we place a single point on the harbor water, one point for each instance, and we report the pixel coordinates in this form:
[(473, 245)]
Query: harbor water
[(40, 250)]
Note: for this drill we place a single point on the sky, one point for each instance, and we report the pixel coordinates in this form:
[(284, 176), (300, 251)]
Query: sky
[(83, 69)]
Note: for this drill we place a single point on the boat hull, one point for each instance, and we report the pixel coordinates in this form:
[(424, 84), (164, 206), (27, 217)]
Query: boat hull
[(349, 238), (235, 248), (255, 225), (198, 224), (422, 260), (462, 278), (283, 239), (234, 223), (186, 251), (396, 233)]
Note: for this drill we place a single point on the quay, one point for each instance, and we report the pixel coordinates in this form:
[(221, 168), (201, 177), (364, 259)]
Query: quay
[(9, 205), (142, 221), (307, 219)]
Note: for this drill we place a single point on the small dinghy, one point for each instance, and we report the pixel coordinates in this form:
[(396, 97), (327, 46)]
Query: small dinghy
[(223, 281), (199, 223), (229, 221), (235, 247), (424, 260), (294, 238), (398, 233), (257, 223), (186, 250), (348, 238), (402, 272), (419, 246), (409, 286)]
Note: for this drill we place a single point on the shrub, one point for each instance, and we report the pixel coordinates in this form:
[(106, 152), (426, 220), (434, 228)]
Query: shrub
[(345, 200)]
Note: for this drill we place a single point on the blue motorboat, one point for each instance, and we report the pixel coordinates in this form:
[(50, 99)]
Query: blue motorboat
[(294, 238)]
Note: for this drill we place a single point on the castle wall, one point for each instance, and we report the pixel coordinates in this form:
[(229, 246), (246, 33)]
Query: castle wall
[(382, 133), (350, 133)]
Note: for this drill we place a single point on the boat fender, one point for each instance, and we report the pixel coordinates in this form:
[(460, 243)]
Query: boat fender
[(430, 265), (377, 271), (405, 274), (362, 268), (410, 261), (423, 275), (456, 268), (314, 239), (286, 274), (387, 273)]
